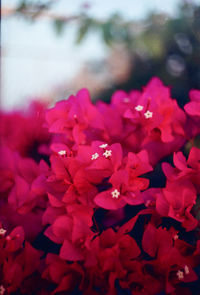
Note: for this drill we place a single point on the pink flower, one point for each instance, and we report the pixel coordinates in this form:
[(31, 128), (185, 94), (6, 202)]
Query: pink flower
[(23, 189), (176, 201), (71, 229), (156, 109), (18, 261), (193, 110), (65, 276), (126, 183), (174, 265), (25, 131), (193, 107), (73, 116), (185, 169), (98, 158)]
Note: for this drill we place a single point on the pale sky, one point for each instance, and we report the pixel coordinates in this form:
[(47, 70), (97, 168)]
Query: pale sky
[(35, 60)]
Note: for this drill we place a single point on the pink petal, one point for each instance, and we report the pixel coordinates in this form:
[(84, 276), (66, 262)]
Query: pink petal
[(69, 252)]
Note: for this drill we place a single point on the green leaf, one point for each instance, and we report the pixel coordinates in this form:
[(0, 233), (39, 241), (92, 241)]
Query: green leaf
[(59, 26), (83, 29), (107, 33)]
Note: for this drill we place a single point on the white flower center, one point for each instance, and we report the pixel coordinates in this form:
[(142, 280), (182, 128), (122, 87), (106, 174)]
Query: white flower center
[(62, 153), (103, 146), (107, 153), (115, 194), (139, 108), (2, 231), (180, 274), (175, 237), (148, 114), (2, 290), (95, 156), (186, 269)]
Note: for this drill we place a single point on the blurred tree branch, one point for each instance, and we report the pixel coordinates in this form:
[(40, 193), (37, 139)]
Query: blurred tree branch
[(114, 29)]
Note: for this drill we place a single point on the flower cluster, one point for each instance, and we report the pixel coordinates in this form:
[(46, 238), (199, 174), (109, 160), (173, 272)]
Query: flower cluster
[(101, 199)]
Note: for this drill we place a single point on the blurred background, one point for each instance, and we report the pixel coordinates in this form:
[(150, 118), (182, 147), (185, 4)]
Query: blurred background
[(52, 48)]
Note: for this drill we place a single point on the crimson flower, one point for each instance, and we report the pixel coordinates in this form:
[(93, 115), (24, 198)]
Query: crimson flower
[(176, 201)]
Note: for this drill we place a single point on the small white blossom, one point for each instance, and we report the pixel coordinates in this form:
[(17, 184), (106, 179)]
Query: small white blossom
[(139, 108), (180, 274), (175, 237), (2, 290), (115, 194), (186, 269), (148, 114), (107, 153), (95, 156), (103, 146), (62, 153), (2, 231)]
